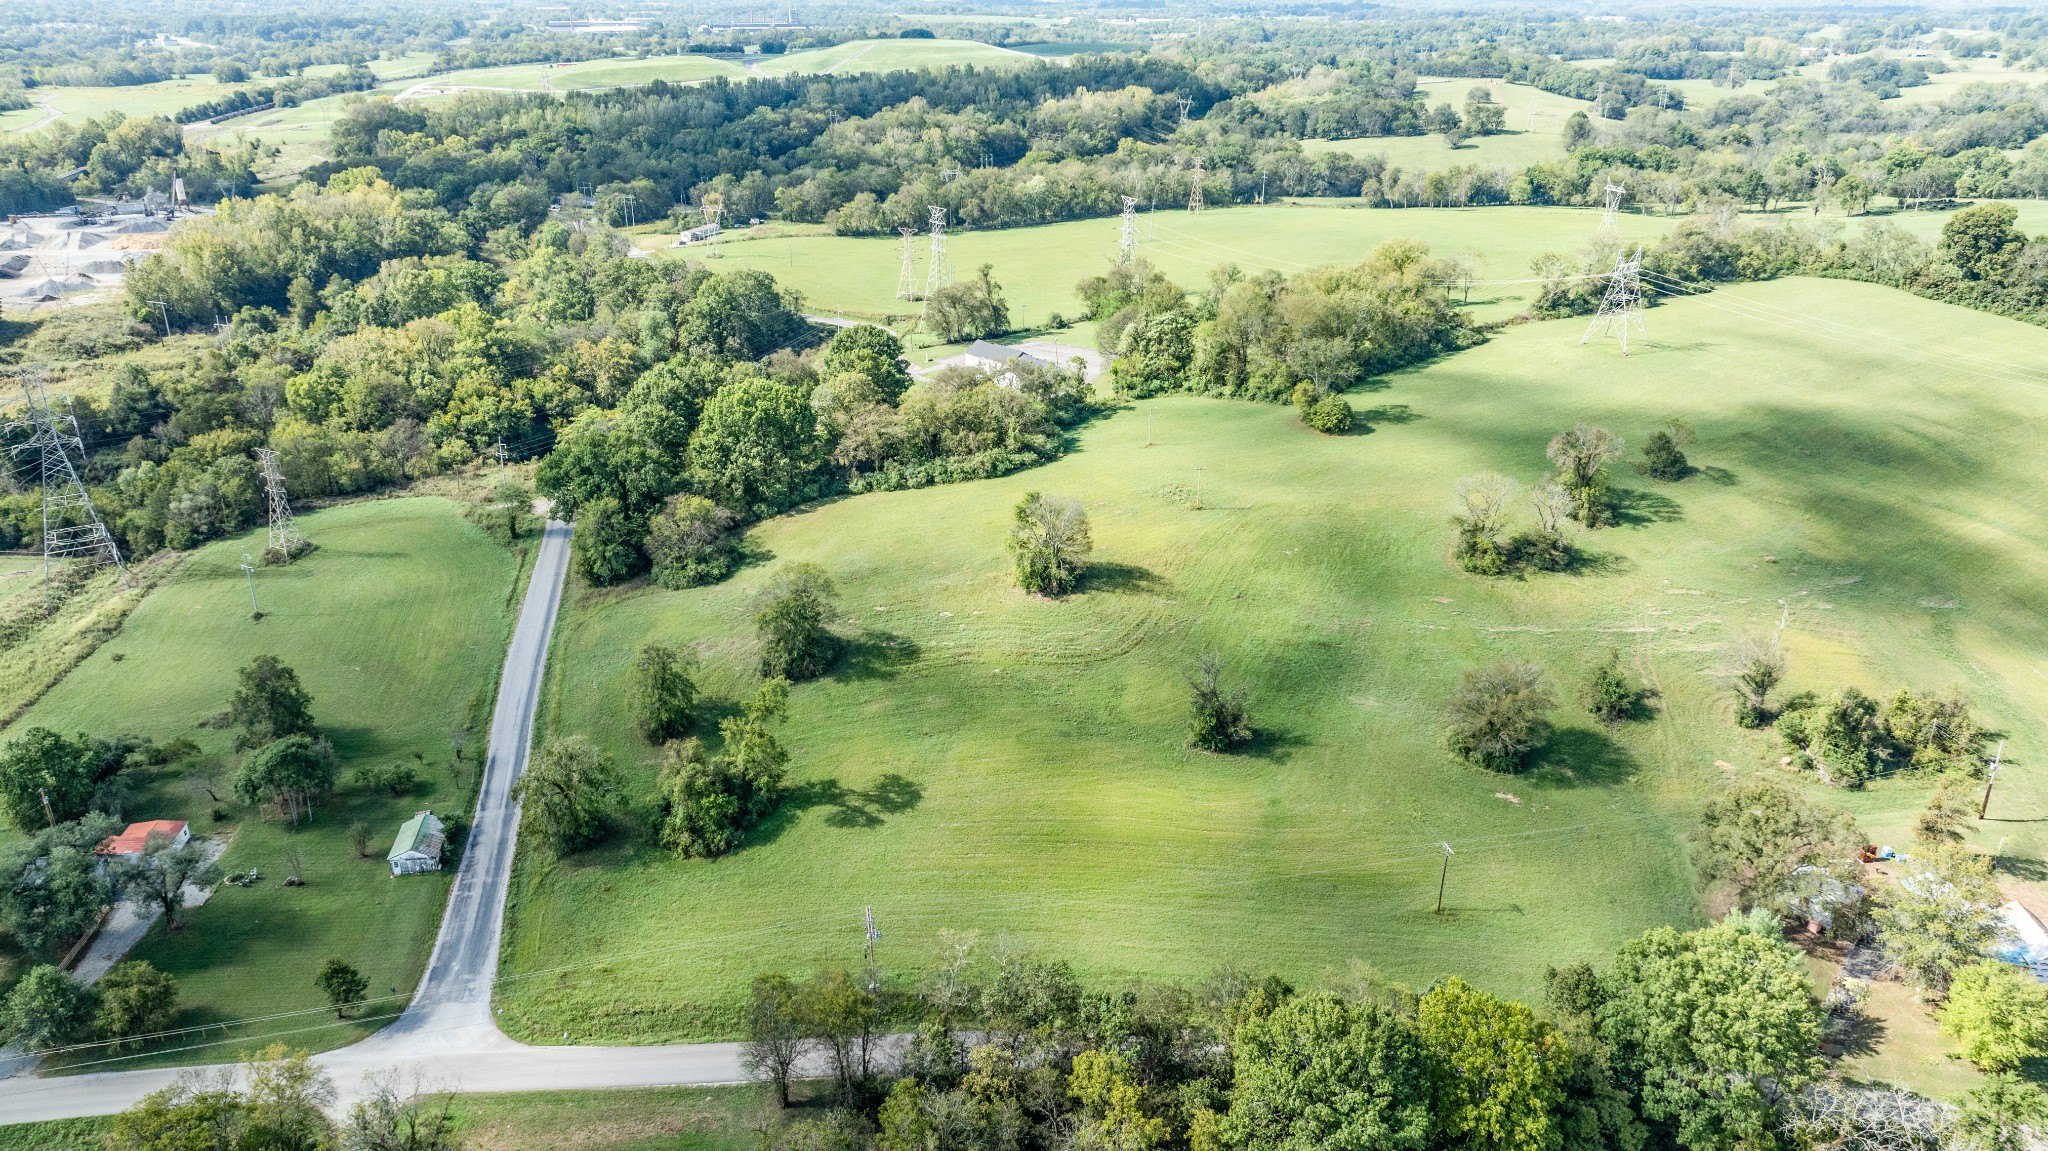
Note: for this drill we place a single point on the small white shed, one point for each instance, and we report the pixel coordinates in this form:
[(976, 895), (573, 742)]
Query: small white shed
[(418, 846)]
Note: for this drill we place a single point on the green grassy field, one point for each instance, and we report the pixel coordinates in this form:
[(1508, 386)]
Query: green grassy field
[(164, 98), (646, 1119), (991, 762), (397, 625), (890, 56), (1038, 267), (1535, 129)]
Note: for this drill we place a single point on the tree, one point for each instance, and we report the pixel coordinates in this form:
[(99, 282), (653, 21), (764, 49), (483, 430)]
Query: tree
[(134, 999), (1611, 695), (776, 1036), (283, 1109), (46, 1009), (1112, 1105), (1941, 916), (1663, 459), (1443, 120), (53, 887), (342, 984), (1050, 543), (607, 543), (1315, 1071), (1500, 1071), (1757, 666), (1982, 242), (1483, 117), (1947, 813), (661, 692), (386, 1119), (713, 802), (1500, 713), (756, 448), (1480, 513), (1711, 1029), (1217, 718), (161, 871), (873, 351), (76, 775), (1760, 839), (2007, 1113), (1998, 1012), (1578, 131), (690, 542), (847, 1018), (567, 793), (287, 1101), (1581, 456), (969, 309), (795, 644), (269, 703), (288, 772)]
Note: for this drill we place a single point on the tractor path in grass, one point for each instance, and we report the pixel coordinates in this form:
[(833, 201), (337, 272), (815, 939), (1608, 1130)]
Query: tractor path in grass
[(447, 1037)]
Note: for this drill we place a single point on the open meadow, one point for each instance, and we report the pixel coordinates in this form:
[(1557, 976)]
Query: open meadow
[(986, 761), (397, 626), (891, 55), (1534, 135)]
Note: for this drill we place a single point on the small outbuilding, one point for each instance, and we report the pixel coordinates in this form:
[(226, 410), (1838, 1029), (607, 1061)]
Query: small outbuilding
[(136, 837), (418, 847)]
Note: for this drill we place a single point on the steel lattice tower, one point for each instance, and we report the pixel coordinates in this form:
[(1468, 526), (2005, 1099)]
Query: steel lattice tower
[(1127, 244), (284, 531), (1195, 187), (940, 272), (711, 215), (1621, 309), (906, 277), (1614, 194), (53, 437)]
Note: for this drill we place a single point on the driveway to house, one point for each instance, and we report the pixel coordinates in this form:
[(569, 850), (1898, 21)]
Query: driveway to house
[(447, 1038)]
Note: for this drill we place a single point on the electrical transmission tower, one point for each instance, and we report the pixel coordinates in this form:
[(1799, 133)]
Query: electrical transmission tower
[(939, 272), (1185, 103), (1614, 194), (1195, 187), (906, 277), (711, 214), (1127, 244), (285, 539), (52, 438), (1621, 309)]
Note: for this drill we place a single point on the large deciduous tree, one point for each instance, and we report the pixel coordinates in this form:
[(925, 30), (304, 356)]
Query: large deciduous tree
[(567, 793), (161, 871), (288, 772), (714, 801), (757, 449), (1581, 456), (1762, 840), (1315, 1071), (661, 691), (795, 644), (1500, 1070), (269, 703), (1500, 713), (1050, 543)]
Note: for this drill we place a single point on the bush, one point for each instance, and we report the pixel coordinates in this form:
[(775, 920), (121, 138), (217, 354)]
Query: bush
[(1611, 695), (394, 779), (606, 545), (691, 543), (135, 999), (1499, 714), (1662, 459), (1218, 719), (713, 802), (791, 623), (1330, 415), (1050, 542)]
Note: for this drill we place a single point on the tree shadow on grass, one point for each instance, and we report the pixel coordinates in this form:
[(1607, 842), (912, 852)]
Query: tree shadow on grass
[(1714, 474), (1592, 563), (1582, 757), (2021, 866), (1122, 579), (1861, 1035), (1635, 507), (890, 794), (875, 655), (1389, 414), (353, 741), (1273, 744)]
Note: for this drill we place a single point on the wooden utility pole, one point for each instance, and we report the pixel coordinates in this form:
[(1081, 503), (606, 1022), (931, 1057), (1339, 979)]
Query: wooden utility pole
[(1443, 878), (1992, 777)]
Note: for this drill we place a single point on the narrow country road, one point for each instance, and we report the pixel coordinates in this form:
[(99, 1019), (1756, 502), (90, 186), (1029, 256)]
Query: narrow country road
[(448, 1039)]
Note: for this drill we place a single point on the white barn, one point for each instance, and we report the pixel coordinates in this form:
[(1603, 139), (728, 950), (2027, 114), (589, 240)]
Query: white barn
[(418, 846)]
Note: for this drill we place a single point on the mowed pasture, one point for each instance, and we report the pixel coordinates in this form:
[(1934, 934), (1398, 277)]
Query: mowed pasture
[(891, 55), (397, 626), (1534, 135), (1038, 267), (986, 761)]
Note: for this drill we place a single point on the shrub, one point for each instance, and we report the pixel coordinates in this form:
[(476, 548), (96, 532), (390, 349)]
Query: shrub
[(713, 802), (1217, 717), (394, 779), (1499, 714), (690, 542), (1611, 695), (1662, 459), (1330, 415)]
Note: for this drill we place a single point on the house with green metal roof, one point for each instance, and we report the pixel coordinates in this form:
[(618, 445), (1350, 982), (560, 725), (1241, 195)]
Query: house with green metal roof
[(418, 846)]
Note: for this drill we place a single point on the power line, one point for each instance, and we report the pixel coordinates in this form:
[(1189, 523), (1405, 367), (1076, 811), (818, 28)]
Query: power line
[(1621, 309), (53, 438)]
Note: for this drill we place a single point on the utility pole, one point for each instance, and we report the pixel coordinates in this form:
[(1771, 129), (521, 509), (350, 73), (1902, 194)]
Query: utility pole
[(1195, 188), (65, 501), (249, 573), (873, 935), (939, 272), (47, 812), (1198, 489), (163, 310), (1621, 309), (1127, 243), (500, 451), (1996, 758), (1443, 878), (285, 538), (906, 274)]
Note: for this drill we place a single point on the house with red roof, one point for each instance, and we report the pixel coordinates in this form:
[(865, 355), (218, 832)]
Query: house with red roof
[(133, 840)]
